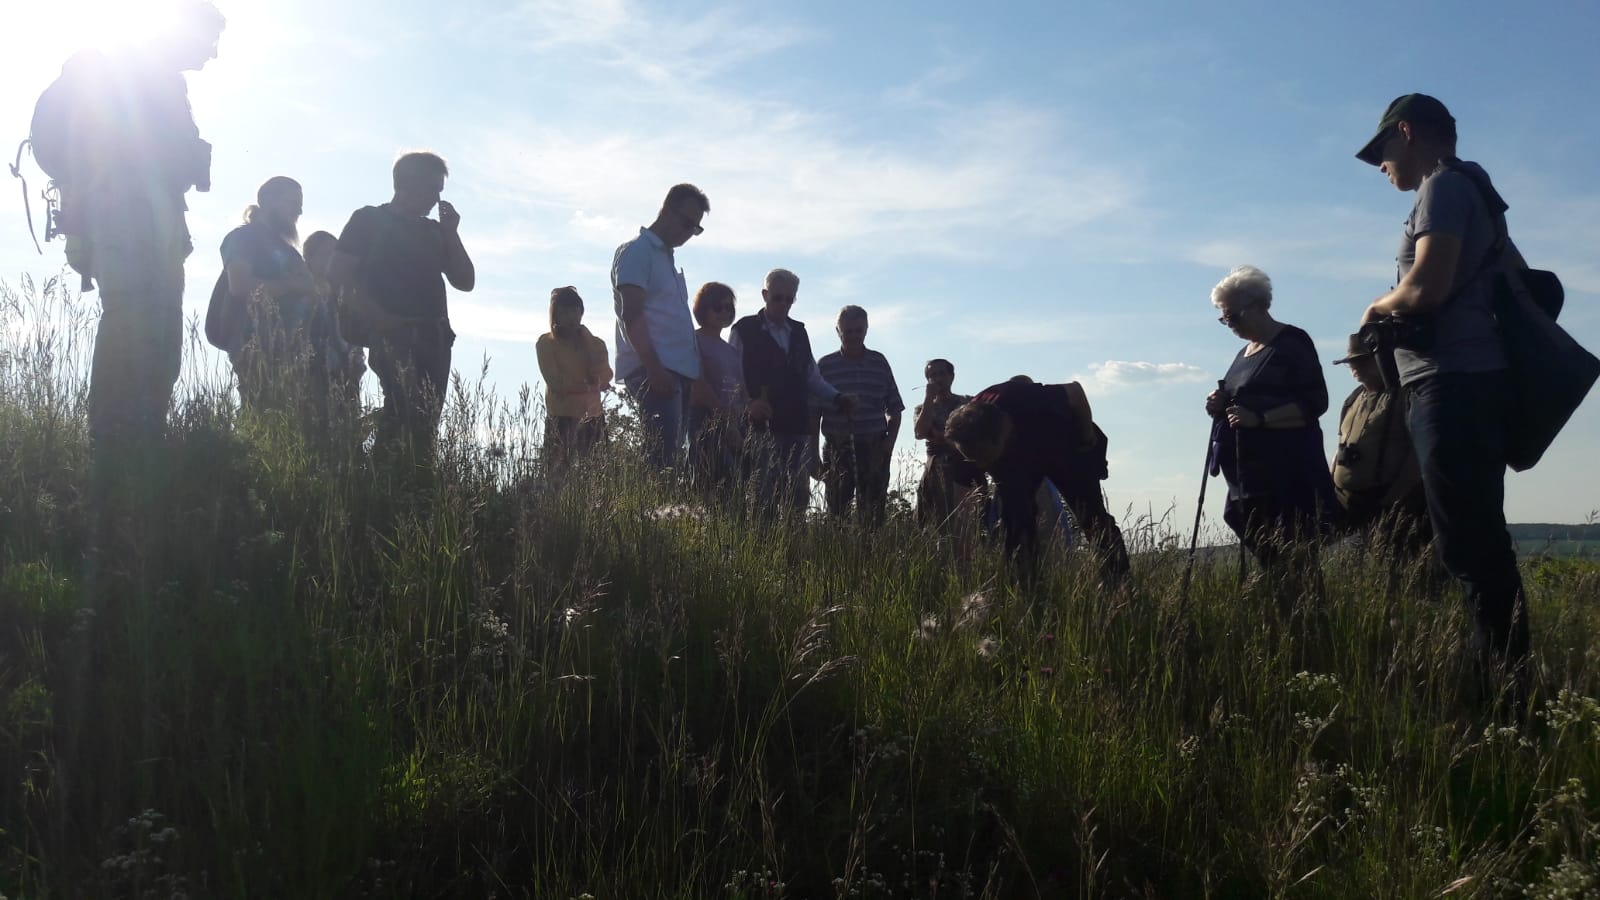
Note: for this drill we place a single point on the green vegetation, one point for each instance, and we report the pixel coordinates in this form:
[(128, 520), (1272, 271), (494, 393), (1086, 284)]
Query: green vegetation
[(314, 684)]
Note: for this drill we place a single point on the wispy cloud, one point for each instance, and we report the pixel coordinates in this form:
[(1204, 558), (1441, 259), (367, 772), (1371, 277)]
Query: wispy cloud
[(959, 182)]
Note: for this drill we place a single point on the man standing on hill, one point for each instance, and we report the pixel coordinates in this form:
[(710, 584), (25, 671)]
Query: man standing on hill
[(392, 262), (781, 378), (1458, 389), (1021, 433), (116, 134), (658, 358), (860, 441)]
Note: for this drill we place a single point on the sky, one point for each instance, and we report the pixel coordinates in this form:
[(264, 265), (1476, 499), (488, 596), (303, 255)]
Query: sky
[(1041, 188)]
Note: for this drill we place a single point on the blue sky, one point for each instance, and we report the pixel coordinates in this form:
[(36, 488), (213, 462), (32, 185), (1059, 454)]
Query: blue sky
[(1041, 188)]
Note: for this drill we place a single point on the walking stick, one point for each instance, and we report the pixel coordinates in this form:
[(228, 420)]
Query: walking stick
[(1199, 509)]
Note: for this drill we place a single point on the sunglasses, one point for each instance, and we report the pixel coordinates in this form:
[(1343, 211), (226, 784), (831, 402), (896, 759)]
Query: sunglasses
[(1228, 317)]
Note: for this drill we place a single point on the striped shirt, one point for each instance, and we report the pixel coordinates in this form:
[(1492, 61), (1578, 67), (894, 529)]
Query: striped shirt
[(872, 381)]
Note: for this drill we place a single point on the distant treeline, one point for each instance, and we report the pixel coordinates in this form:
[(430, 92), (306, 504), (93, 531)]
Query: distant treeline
[(1539, 532)]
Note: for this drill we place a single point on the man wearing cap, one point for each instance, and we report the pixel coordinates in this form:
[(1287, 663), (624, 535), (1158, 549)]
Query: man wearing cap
[(1453, 366), (1375, 472)]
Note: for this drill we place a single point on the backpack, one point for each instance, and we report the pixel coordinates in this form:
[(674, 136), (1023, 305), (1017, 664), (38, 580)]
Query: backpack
[(224, 317), (64, 112), (68, 113)]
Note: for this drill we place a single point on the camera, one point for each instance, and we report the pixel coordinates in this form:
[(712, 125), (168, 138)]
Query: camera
[(1393, 332)]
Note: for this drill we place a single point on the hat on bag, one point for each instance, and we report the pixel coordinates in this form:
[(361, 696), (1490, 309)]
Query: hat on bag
[(1358, 349)]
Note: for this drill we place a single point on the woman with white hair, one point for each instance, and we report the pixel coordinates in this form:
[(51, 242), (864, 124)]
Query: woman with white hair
[(1270, 448)]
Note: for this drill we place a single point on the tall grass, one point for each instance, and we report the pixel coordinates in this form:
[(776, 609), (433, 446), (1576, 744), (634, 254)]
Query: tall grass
[(326, 685)]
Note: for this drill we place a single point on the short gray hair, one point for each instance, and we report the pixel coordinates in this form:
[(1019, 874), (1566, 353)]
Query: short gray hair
[(783, 277), (852, 313), (1248, 285)]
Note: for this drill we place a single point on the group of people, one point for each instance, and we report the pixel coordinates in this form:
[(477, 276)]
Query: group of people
[(746, 399)]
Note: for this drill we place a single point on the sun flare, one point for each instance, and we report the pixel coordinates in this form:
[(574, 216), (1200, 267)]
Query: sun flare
[(119, 23)]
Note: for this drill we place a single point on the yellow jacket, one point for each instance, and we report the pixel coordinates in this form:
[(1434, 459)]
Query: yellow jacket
[(575, 370)]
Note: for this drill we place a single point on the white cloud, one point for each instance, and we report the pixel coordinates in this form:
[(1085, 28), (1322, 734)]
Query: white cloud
[(1115, 374)]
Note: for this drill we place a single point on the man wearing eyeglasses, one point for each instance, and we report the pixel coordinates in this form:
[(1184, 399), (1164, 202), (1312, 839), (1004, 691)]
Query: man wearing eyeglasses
[(657, 355)]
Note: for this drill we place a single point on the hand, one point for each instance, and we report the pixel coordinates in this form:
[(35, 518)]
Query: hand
[(816, 471), (1372, 314), (1239, 417), (760, 411), (701, 395), (660, 382), (846, 403), (448, 217), (1216, 403)]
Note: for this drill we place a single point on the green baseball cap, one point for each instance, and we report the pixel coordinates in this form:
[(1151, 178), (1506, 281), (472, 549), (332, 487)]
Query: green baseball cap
[(1405, 108)]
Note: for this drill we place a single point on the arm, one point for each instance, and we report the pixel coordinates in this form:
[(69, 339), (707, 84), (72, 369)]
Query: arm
[(458, 268), (638, 331), (600, 373), (895, 407), (818, 386), (242, 281), (922, 427), (1428, 285), (1078, 402)]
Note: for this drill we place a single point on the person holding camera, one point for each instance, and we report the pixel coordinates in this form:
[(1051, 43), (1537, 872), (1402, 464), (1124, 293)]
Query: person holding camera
[(1280, 494), (1451, 361), (1375, 473)]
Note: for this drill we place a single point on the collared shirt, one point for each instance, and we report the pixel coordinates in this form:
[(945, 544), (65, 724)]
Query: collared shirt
[(816, 385), (877, 396), (646, 262)]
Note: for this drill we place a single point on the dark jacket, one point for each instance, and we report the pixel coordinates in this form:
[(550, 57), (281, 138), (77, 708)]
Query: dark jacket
[(776, 376)]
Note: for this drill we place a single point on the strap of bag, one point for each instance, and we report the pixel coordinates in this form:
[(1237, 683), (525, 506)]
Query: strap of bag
[(27, 205), (1496, 206)]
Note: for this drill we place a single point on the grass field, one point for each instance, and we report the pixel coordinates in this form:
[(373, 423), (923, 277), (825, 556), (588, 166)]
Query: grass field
[(310, 683)]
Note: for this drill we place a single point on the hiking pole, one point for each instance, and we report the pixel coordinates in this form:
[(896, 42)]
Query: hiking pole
[(1200, 505), (1205, 479)]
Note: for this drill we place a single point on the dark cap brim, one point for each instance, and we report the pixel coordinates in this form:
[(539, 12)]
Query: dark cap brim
[(1372, 153)]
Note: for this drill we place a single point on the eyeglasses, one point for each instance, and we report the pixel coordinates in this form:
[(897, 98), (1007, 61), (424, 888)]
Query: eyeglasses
[(689, 219), (1230, 315)]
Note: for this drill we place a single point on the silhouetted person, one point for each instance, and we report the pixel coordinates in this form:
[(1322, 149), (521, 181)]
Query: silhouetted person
[(341, 363), (657, 359), (782, 379), (717, 414), (574, 365), (391, 265), (1280, 496), (1022, 433), (116, 134), (1458, 388), (860, 441), (272, 298), (949, 480), (1375, 473)]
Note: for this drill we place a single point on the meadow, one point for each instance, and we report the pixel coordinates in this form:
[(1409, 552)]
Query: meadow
[(316, 679)]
